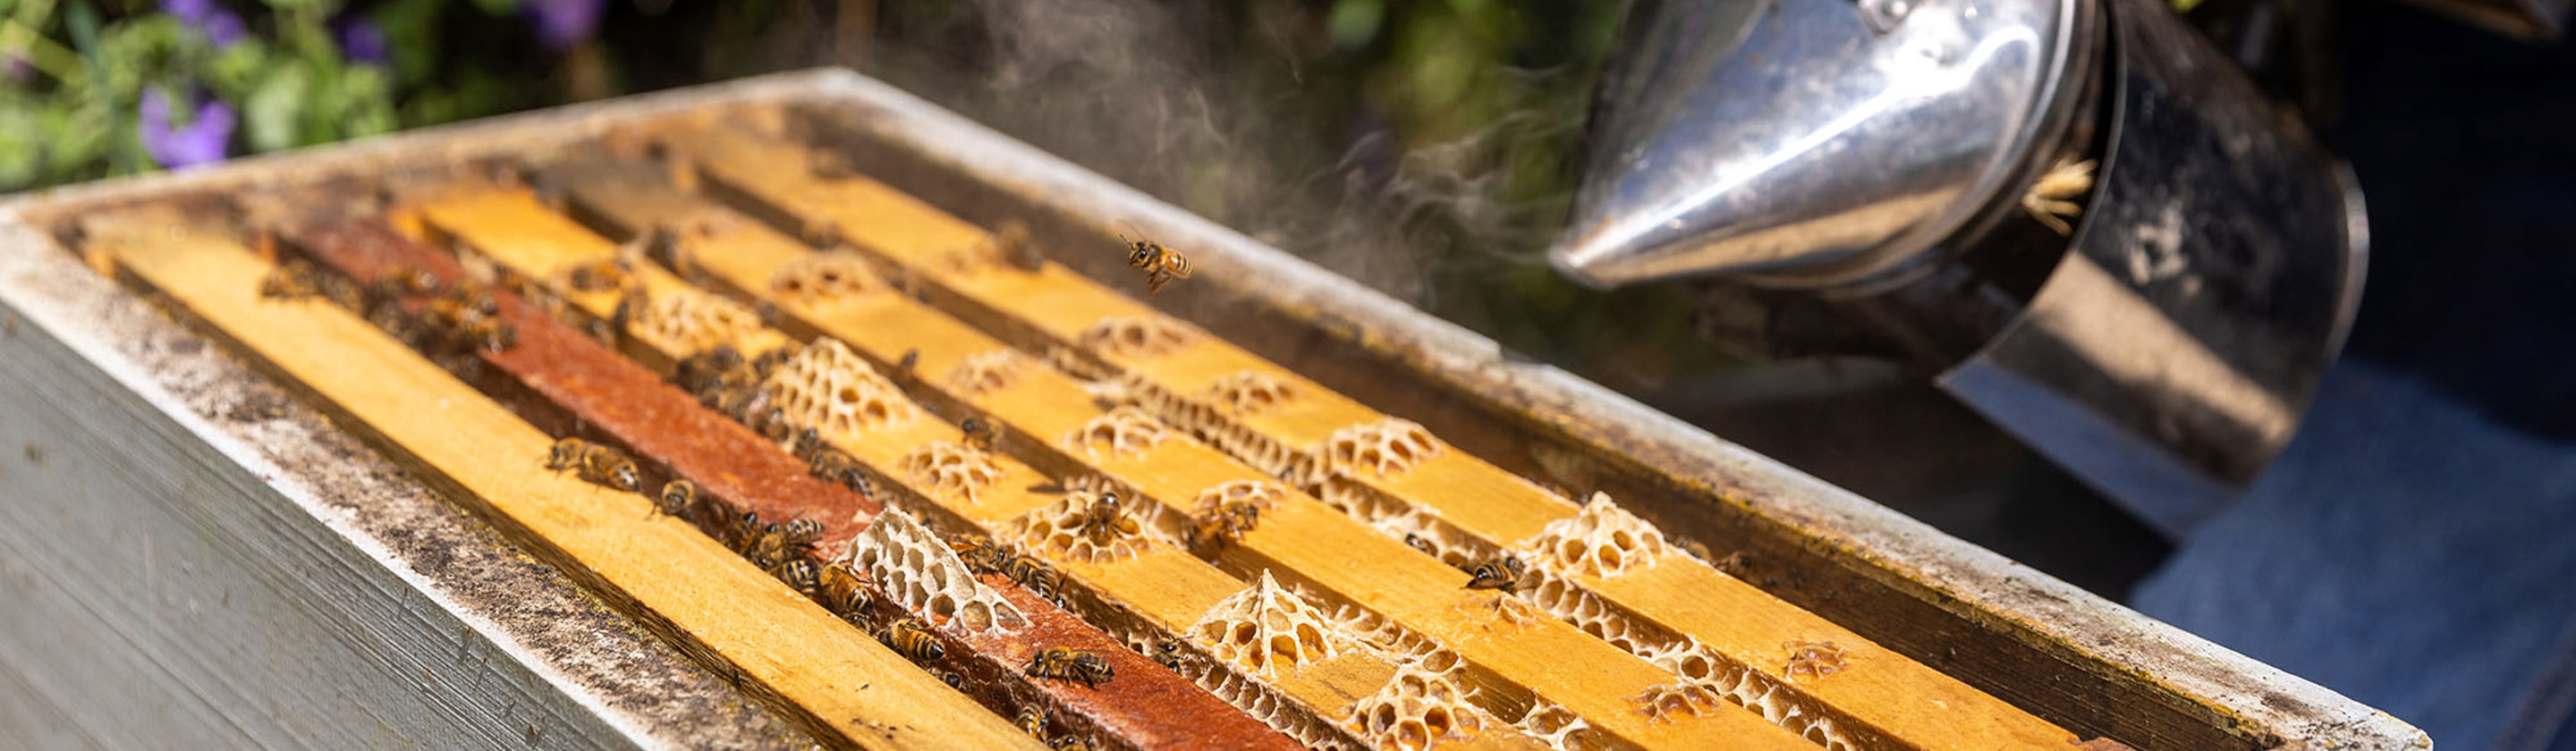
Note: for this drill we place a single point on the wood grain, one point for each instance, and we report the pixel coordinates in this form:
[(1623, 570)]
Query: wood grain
[(844, 683)]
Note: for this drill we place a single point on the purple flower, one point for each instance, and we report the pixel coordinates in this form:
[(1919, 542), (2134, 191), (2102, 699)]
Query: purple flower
[(219, 25), (564, 23), (201, 141), (362, 42)]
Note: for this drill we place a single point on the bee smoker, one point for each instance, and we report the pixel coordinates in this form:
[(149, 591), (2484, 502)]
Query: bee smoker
[(1876, 178)]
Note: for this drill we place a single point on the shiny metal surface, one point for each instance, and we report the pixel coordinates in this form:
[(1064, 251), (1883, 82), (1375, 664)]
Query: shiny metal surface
[(1814, 142), (2169, 356)]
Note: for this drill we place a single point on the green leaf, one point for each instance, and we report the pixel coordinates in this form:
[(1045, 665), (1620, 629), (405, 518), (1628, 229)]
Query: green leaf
[(22, 151), (273, 114)]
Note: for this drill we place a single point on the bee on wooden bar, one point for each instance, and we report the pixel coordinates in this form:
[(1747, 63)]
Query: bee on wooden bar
[(1224, 526), (1161, 264), (1167, 652), (1032, 720), (773, 425), (1029, 572), (779, 542), (981, 433), (803, 532), (979, 553), (1068, 743), (491, 334), (406, 281), (600, 465), (911, 639), (842, 593), (1064, 664), (708, 368), (911, 359), (954, 681), (598, 276), (677, 497), (832, 464), (294, 280), (390, 317), (800, 574), (742, 531), (1103, 521), (1416, 542), (769, 361), (1503, 573)]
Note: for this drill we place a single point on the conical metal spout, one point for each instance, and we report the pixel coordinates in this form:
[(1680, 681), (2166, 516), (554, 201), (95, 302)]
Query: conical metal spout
[(1811, 142)]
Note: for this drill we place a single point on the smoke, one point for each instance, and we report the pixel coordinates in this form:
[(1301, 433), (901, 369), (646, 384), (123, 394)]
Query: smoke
[(1241, 113)]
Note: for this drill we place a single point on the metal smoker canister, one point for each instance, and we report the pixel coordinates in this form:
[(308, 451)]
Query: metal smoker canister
[(1848, 178)]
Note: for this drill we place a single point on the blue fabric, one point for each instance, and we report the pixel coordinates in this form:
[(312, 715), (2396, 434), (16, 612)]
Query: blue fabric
[(2404, 550)]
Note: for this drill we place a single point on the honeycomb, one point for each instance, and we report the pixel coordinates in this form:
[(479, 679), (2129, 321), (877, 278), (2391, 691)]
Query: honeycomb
[(1209, 423), (1263, 494), (815, 277), (950, 468), (688, 320), (1265, 703), (1417, 709), (829, 388), (1560, 728), (1250, 392), (1812, 659), (1387, 447), (1265, 627), (1125, 430), (917, 570), (1056, 530), (984, 372), (1707, 677), (1602, 540), (1138, 336)]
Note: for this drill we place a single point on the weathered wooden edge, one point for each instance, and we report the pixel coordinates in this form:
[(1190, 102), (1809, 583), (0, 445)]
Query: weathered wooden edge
[(1876, 544), (429, 601)]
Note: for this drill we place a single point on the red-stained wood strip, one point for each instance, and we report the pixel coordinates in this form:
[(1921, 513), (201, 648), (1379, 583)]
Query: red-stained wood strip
[(1146, 706)]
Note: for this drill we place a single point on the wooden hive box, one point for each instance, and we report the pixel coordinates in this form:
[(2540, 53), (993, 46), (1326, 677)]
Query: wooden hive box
[(275, 520)]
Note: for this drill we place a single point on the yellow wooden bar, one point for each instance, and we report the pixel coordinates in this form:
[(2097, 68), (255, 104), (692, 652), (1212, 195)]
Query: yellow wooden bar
[(1906, 701), (835, 677)]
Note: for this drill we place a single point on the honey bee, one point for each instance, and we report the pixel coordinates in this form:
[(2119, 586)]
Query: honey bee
[(1103, 522), (406, 281), (980, 433), (404, 327), (769, 361), (698, 373), (979, 553), (677, 497), (841, 591), (463, 306), (1068, 743), (294, 280), (598, 276), (1167, 652), (804, 532), (911, 359), (1029, 572), (744, 530), (1064, 664), (912, 640), (1416, 542), (599, 465), (1032, 720), (773, 425), (1161, 264), (834, 465), (491, 334), (1503, 573), (1224, 526), (953, 680), (800, 574)]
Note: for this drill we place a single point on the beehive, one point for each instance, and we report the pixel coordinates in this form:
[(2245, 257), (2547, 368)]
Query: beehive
[(934, 273)]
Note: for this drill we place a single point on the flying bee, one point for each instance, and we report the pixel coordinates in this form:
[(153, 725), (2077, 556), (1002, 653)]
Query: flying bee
[(1032, 720), (1029, 572), (980, 433), (598, 276), (677, 497), (407, 281), (1103, 522), (1064, 664), (1503, 573), (1167, 652), (597, 464), (912, 640), (1416, 542), (1161, 264), (800, 574), (294, 280), (979, 553), (841, 591)]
